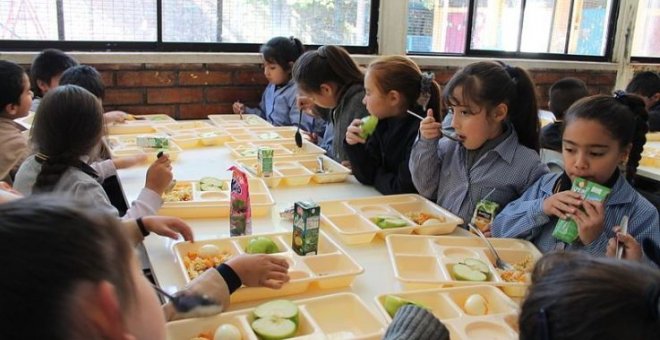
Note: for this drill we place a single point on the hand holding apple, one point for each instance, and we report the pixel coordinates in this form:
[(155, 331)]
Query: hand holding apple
[(353, 133)]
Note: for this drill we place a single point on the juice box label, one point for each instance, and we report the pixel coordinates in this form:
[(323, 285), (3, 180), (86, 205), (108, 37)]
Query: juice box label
[(306, 223), (265, 161), (152, 142), (567, 230), (484, 214), (240, 214)]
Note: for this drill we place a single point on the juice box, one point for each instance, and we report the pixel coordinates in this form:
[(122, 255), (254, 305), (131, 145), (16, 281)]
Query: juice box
[(484, 214), (152, 142), (567, 230), (265, 161), (240, 214), (306, 223)]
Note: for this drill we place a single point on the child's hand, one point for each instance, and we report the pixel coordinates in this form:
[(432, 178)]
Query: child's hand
[(590, 222), (631, 249), (310, 136), (562, 204), (260, 270), (429, 129), (7, 193), (305, 104), (129, 161), (238, 107), (159, 175), (114, 117), (353, 133), (346, 164), (168, 227)]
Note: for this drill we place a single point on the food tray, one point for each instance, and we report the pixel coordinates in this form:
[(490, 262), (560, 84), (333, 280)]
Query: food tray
[(233, 120), (194, 134), (500, 321), (319, 318), (210, 204), (331, 268), (244, 133), (280, 148), (125, 145), (350, 219), (425, 262), (298, 170), (142, 124), (650, 157)]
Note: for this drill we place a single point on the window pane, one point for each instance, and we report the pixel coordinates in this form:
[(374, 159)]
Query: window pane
[(28, 20), (344, 22), (437, 26), (645, 41), (496, 25), (545, 26), (589, 28)]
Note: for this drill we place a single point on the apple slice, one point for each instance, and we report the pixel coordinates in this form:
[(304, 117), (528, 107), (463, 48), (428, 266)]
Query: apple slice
[(274, 328), (283, 309), (463, 272), (477, 265)]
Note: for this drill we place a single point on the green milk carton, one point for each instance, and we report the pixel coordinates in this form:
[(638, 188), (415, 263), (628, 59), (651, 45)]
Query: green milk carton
[(265, 161), (567, 230), (306, 224)]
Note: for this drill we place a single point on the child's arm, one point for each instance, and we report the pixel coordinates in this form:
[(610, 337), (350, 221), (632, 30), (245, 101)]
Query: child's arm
[(261, 109), (425, 160), (159, 177), (164, 226), (631, 249)]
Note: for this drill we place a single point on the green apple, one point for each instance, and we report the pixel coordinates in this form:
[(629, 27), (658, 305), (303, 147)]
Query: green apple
[(393, 303), (463, 272), (477, 265), (388, 222), (368, 126), (261, 245), (275, 320)]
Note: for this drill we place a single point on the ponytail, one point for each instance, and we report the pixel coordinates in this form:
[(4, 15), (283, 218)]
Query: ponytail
[(282, 51), (328, 64), (641, 127), (523, 108)]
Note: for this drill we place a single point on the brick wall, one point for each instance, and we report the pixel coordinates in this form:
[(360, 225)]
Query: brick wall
[(193, 91)]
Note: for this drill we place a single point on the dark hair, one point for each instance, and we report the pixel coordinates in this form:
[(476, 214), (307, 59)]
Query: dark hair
[(329, 63), (68, 124), (282, 51), (644, 83), (401, 74), (489, 83), (51, 247), (86, 77), (623, 116), (48, 64), (564, 93), (576, 296), (11, 83)]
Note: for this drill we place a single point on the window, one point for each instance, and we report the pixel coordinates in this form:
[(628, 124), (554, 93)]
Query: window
[(647, 25), (186, 24), (555, 28)]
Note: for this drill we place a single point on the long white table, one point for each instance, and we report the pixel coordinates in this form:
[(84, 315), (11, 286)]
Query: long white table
[(647, 171), (378, 277)]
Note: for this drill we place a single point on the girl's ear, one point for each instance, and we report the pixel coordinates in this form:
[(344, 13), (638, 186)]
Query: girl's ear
[(500, 112), (43, 86), (104, 312), (625, 153), (394, 98), (327, 89), (10, 109)]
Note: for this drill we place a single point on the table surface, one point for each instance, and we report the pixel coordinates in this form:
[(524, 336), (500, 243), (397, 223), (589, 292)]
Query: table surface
[(377, 278), (647, 171)]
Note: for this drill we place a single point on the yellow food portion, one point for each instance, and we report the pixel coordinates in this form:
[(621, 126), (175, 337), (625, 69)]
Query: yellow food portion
[(196, 265), (180, 193), (520, 273), (421, 217)]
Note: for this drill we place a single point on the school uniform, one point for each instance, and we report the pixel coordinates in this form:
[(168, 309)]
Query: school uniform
[(440, 172), (383, 160), (349, 107), (82, 183), (278, 106), (524, 218), (13, 148)]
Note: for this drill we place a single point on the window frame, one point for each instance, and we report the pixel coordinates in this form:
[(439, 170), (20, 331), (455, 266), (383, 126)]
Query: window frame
[(470, 52), (160, 46)]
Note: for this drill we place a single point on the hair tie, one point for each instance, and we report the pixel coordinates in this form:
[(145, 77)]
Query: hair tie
[(425, 83), (653, 301), (41, 158), (620, 95), (321, 52)]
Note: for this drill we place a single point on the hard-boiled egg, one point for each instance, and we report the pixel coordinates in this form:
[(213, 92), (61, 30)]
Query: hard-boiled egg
[(209, 250), (475, 304), (227, 332)]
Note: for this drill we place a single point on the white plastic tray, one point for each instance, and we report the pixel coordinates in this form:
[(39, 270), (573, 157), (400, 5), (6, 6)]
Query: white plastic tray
[(142, 124), (225, 121), (251, 133), (194, 134), (280, 148), (126, 145), (298, 170)]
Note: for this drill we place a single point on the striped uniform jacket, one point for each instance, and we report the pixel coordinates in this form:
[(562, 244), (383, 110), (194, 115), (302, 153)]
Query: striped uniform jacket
[(524, 218), (439, 172)]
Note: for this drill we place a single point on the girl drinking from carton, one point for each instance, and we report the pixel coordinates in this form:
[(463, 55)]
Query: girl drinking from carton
[(278, 103), (67, 132), (600, 132), (493, 156), (392, 86), (330, 79)]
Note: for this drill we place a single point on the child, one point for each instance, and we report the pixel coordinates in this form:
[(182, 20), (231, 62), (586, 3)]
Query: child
[(330, 79), (392, 86), (15, 99), (563, 94), (72, 269), (496, 156), (67, 132), (647, 85), (278, 103), (600, 132)]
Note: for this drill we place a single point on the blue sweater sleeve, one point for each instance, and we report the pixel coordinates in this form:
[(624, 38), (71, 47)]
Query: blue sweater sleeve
[(524, 217)]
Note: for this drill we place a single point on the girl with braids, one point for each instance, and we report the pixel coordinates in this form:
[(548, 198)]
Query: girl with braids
[(66, 133), (494, 154), (600, 134), (392, 86), (329, 78)]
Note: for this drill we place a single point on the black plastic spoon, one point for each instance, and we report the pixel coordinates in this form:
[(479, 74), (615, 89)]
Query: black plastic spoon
[(185, 302), (298, 136)]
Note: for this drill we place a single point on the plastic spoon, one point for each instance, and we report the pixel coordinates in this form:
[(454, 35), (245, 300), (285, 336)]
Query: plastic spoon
[(298, 136), (624, 231), (320, 170), (185, 302), (499, 263), (446, 131)]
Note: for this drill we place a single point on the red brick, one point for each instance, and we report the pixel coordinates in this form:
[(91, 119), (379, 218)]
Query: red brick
[(175, 95), (174, 67), (108, 78), (602, 79), (229, 67), (231, 94), (169, 110), (146, 78), (116, 67), (543, 77), (123, 97), (249, 77), (200, 111), (204, 77)]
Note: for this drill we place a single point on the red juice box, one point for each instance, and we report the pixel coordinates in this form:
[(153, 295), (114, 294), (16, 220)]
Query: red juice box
[(240, 215)]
